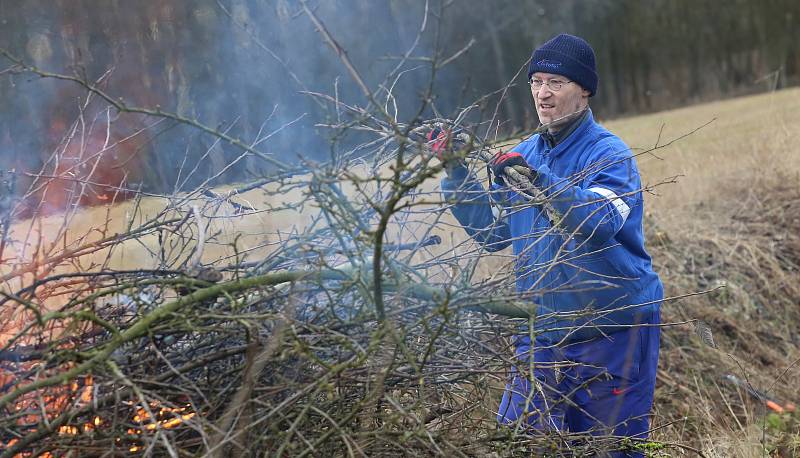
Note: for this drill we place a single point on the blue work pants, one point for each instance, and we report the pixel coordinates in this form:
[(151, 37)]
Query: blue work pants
[(603, 386)]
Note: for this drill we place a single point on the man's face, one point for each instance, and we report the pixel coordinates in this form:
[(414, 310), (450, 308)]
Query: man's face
[(556, 106)]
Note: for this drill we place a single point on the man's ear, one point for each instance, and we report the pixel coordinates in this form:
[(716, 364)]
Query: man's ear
[(585, 93)]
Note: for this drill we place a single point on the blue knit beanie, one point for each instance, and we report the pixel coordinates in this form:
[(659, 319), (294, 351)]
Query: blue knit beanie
[(569, 56)]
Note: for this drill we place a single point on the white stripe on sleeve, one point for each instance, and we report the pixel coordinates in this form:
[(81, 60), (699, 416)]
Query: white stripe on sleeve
[(495, 212), (623, 208)]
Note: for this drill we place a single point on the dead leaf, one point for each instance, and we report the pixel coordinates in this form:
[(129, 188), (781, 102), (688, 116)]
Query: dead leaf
[(703, 330)]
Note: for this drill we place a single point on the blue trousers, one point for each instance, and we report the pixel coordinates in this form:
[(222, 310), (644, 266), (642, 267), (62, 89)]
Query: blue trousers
[(602, 386)]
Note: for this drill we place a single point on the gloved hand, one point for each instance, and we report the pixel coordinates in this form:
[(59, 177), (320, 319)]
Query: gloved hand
[(502, 160), (442, 140)]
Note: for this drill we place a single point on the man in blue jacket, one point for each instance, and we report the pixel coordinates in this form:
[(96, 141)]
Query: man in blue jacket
[(592, 364)]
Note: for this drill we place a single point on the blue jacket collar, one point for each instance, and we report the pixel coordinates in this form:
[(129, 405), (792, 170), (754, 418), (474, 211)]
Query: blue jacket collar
[(566, 131), (577, 132)]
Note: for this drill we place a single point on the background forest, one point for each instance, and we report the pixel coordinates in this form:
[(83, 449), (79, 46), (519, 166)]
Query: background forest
[(241, 64)]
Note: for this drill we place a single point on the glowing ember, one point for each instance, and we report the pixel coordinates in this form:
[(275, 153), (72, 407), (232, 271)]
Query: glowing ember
[(166, 417), (80, 393), (70, 430)]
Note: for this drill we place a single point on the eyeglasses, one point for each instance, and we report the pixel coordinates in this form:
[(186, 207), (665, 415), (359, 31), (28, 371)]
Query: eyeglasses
[(553, 85)]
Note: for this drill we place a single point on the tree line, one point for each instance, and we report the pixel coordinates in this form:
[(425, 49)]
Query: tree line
[(244, 66)]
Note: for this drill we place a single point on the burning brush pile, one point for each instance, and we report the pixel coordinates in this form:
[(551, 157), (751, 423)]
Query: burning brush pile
[(353, 333)]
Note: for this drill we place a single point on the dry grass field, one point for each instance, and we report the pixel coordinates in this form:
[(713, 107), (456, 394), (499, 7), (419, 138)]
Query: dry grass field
[(739, 166), (749, 140)]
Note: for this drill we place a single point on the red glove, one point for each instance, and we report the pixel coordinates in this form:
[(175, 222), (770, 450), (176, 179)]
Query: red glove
[(502, 160), (442, 140), (437, 141)]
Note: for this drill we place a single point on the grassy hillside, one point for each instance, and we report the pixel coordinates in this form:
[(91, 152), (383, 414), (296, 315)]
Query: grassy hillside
[(748, 140)]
